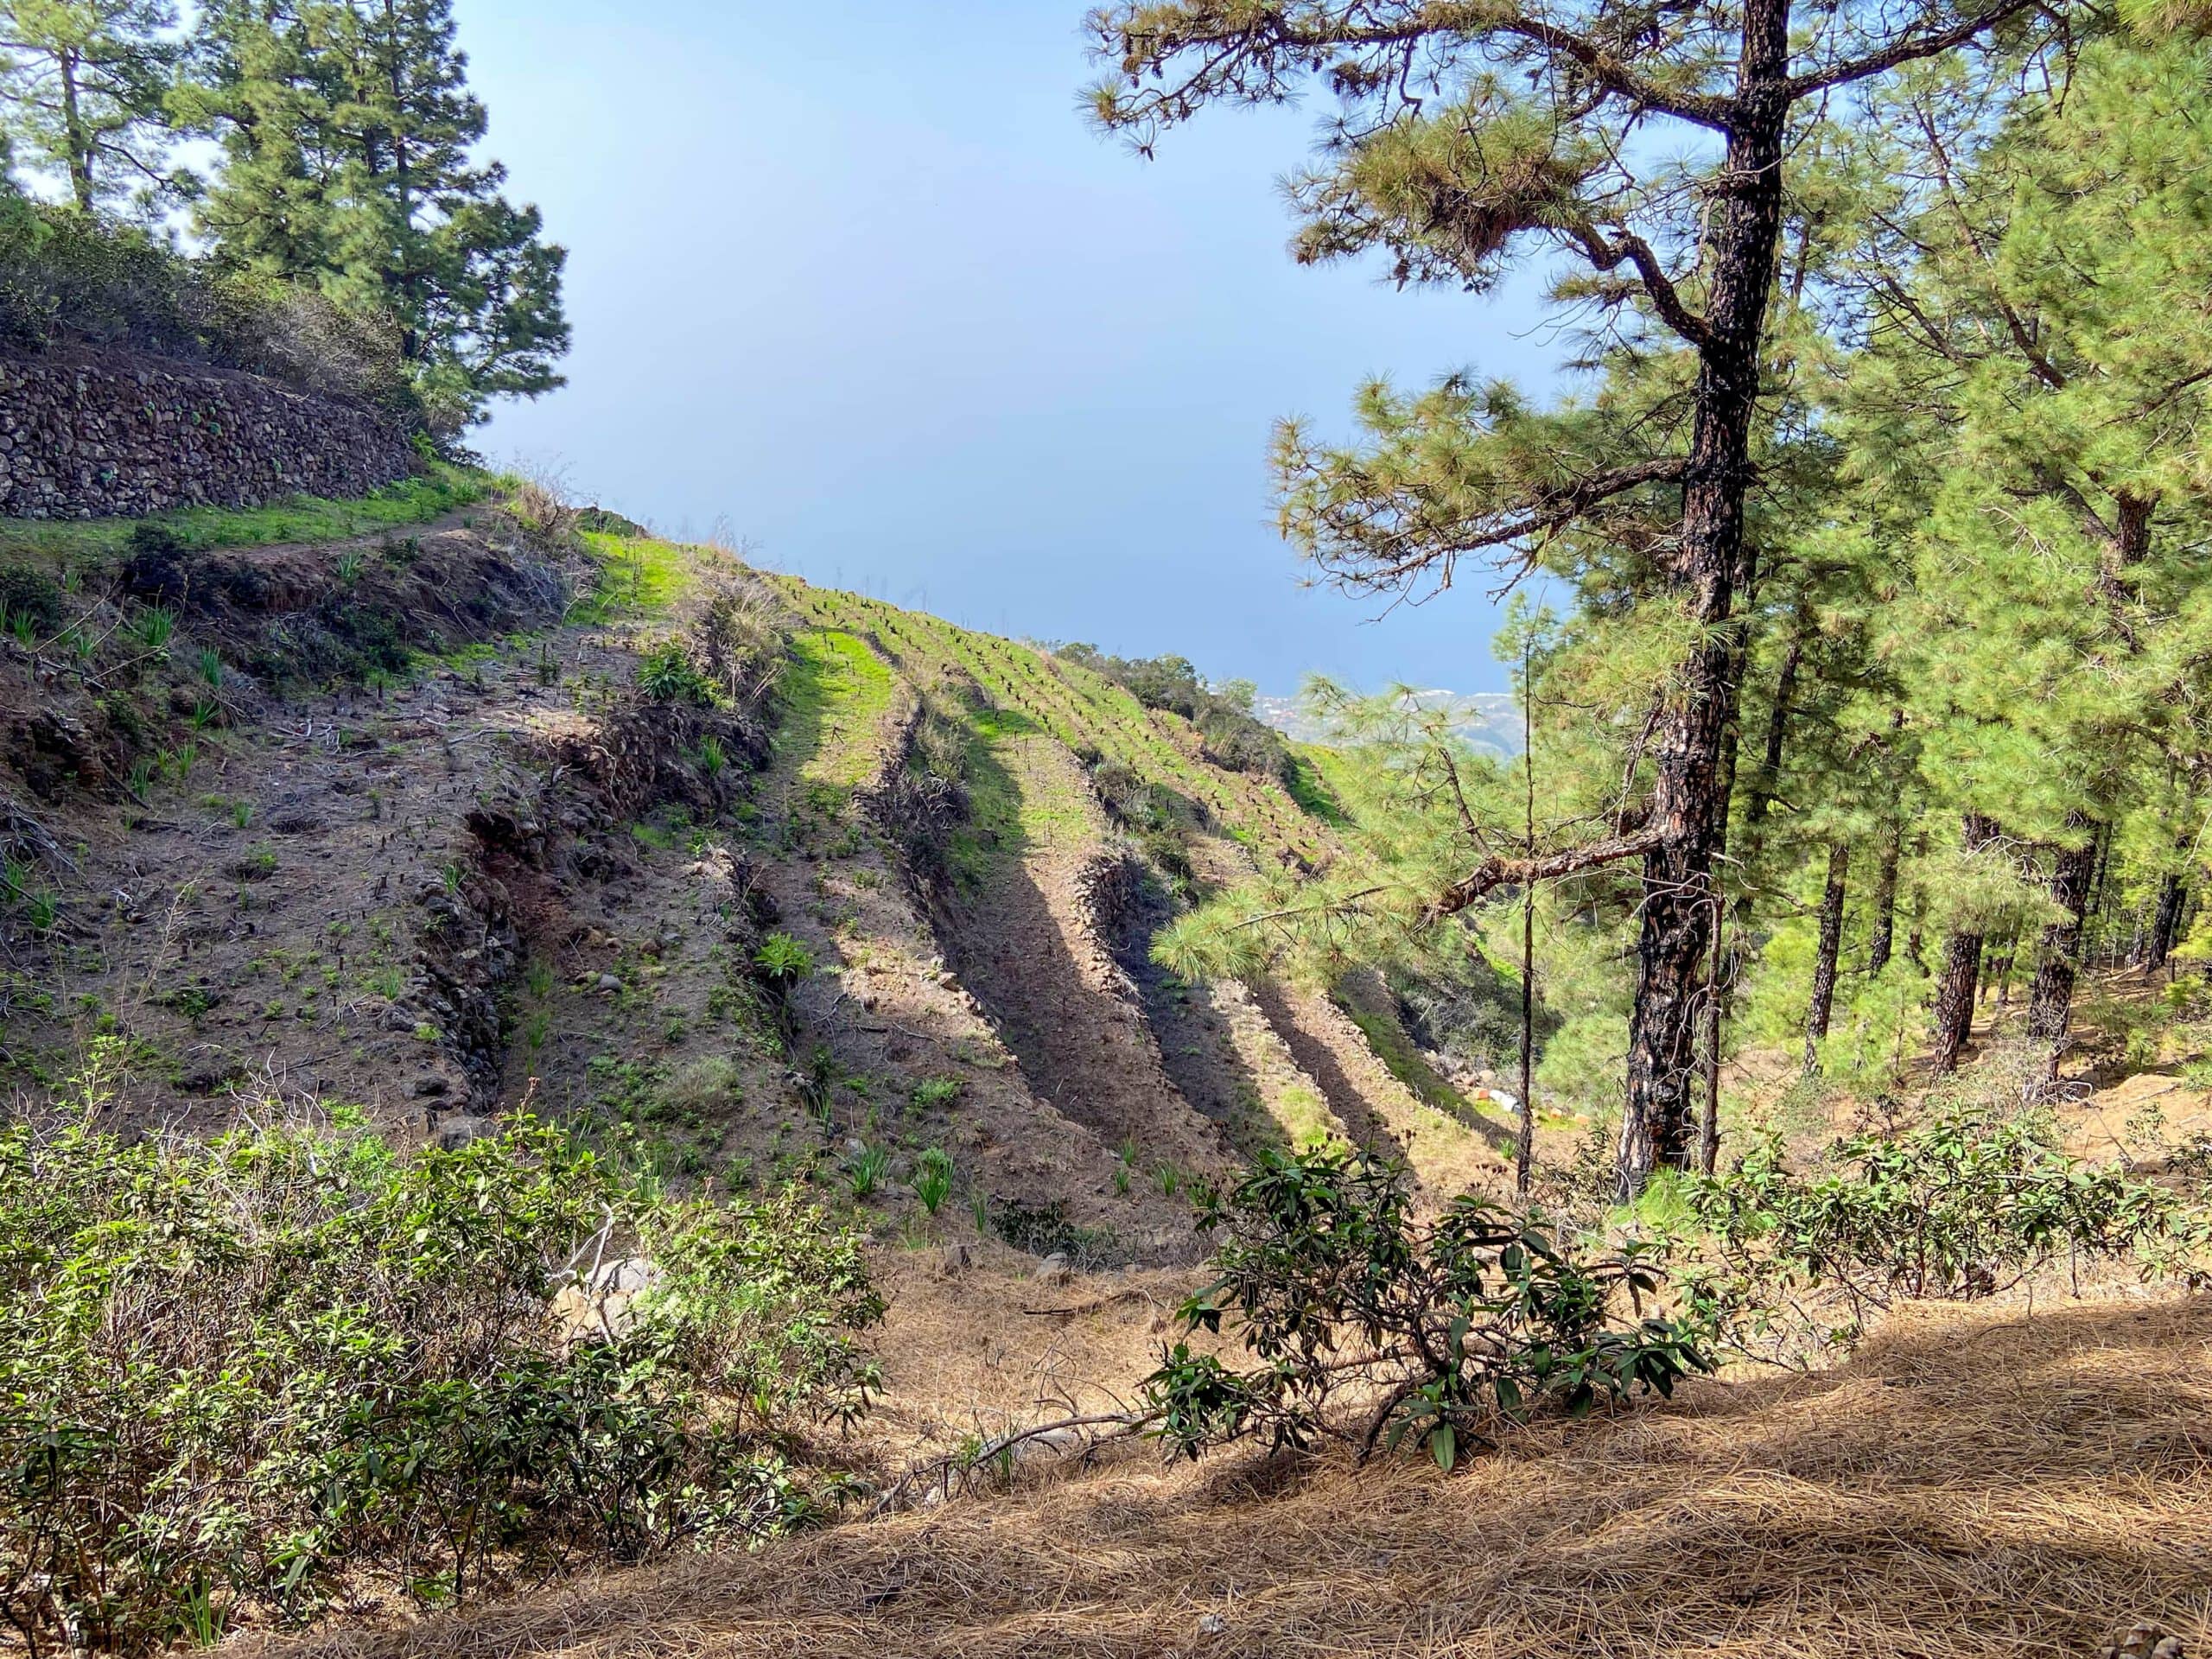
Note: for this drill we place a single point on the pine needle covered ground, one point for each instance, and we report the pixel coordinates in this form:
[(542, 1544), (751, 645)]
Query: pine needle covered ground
[(2012, 1482)]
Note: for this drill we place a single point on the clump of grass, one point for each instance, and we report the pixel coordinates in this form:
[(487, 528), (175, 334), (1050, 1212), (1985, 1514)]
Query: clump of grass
[(152, 627), (864, 1170), (934, 1092), (933, 1180)]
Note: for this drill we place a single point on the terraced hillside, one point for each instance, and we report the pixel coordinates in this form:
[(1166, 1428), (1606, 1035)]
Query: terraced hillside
[(1089, 816), (432, 820)]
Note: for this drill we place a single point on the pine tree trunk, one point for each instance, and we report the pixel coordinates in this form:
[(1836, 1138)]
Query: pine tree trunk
[(1680, 903), (1720, 965), (1884, 930), (73, 136), (2000, 970), (1831, 945), (1954, 988), (2093, 913), (2166, 926), (1524, 1147), (1961, 971), (2051, 997), (1768, 778)]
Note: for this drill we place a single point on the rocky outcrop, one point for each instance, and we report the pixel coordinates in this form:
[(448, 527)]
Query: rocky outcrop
[(88, 437)]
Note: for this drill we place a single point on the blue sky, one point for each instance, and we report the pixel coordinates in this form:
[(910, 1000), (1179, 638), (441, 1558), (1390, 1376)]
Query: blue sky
[(857, 277)]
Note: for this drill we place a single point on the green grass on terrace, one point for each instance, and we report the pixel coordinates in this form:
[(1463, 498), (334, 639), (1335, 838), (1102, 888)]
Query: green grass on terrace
[(301, 518), (834, 696), (1309, 786), (639, 576), (1082, 709)]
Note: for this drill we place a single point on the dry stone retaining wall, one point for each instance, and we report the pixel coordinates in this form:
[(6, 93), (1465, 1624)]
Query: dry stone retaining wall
[(92, 438)]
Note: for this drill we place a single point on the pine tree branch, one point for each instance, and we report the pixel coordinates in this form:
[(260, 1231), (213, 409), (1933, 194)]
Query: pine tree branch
[(1632, 249), (1495, 872), (1241, 55), (1616, 77), (1910, 49), (1385, 546)]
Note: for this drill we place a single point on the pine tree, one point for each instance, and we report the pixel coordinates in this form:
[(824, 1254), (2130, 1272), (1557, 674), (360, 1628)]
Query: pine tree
[(2040, 334), (82, 86), (348, 130), (1469, 136)]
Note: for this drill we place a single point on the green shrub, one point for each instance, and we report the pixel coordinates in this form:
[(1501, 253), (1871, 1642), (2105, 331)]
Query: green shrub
[(666, 675), (1960, 1207), (241, 1377), (782, 961), (67, 277), (1375, 1328), (931, 1093)]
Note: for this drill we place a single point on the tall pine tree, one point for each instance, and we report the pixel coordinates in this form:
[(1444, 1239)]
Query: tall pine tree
[(1468, 138), (82, 89), (348, 133)]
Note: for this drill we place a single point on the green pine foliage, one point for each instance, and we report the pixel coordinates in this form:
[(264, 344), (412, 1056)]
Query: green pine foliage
[(82, 86), (347, 215), (347, 131)]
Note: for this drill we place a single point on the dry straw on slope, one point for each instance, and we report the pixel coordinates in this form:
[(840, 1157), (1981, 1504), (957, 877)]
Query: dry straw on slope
[(1984, 1484)]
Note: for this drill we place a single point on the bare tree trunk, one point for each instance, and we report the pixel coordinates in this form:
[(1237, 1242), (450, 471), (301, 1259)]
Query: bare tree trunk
[(1831, 946), (1680, 902), (1884, 930), (2051, 997)]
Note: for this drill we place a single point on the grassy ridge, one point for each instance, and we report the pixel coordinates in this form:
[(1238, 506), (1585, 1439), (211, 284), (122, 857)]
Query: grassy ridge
[(299, 519), (1087, 713)]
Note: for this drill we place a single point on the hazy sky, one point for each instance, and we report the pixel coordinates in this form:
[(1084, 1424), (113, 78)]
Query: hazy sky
[(855, 275)]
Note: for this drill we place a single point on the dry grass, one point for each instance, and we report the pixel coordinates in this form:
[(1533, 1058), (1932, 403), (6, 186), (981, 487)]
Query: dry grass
[(1974, 1484)]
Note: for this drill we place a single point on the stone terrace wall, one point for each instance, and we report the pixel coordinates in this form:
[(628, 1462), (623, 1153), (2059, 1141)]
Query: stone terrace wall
[(85, 437)]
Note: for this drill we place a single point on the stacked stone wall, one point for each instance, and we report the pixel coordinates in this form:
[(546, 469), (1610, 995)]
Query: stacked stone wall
[(86, 437)]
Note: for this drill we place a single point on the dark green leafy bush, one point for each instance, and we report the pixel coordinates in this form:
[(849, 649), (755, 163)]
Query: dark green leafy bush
[(1960, 1207), (1374, 1327), (67, 279), (236, 1376)]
